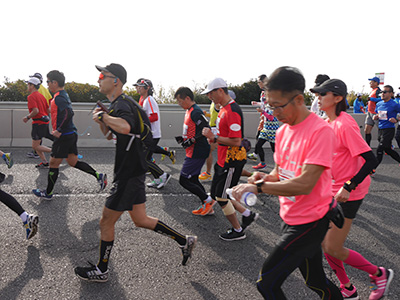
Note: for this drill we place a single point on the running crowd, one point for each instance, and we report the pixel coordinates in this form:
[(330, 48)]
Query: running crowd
[(319, 192)]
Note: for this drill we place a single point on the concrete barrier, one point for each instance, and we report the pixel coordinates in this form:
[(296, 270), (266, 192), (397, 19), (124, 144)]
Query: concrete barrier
[(15, 133)]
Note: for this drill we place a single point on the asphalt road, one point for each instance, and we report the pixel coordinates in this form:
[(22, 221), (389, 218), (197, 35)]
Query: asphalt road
[(146, 265)]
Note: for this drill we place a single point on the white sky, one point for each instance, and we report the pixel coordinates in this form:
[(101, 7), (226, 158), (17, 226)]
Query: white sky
[(176, 43)]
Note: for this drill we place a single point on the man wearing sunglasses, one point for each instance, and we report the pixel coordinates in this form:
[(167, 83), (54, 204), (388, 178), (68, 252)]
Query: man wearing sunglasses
[(386, 112), (302, 180), (128, 192), (65, 137)]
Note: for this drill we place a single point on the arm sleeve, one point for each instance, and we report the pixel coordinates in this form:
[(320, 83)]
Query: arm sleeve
[(63, 118), (368, 166)]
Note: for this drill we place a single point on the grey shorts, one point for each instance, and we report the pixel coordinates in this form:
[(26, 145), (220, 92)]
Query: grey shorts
[(369, 120)]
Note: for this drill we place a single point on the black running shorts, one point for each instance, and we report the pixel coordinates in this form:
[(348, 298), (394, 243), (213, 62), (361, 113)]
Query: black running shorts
[(40, 131), (350, 208), (127, 192), (65, 145)]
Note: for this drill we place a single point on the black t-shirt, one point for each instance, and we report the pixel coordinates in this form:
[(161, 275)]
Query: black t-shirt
[(129, 156)]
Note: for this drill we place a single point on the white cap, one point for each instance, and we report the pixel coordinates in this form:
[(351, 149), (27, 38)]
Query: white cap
[(217, 83), (359, 94), (34, 81)]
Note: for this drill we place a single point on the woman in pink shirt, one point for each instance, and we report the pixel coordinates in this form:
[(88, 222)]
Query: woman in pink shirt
[(353, 161)]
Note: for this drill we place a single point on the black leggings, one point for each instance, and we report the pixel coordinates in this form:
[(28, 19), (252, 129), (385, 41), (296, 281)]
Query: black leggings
[(260, 150), (11, 203), (154, 169), (385, 138), (280, 264), (194, 186)]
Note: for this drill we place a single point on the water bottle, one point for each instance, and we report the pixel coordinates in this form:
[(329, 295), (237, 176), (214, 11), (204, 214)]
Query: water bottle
[(248, 198)]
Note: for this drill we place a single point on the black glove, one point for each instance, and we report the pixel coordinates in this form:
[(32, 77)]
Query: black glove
[(179, 139), (187, 143)]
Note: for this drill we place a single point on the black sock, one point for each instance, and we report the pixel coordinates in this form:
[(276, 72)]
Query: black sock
[(85, 167), (165, 229), (368, 137), (51, 180), (105, 252)]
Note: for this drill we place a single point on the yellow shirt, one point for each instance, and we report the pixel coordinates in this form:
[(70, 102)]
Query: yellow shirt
[(45, 92)]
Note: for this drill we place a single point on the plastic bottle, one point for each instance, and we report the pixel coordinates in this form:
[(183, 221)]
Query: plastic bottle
[(248, 198)]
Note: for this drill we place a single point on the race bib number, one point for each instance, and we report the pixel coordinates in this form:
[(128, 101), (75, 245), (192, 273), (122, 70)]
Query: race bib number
[(382, 115), (285, 175)]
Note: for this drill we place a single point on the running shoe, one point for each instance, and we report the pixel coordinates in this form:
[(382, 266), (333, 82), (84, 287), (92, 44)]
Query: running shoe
[(349, 294), (380, 285), (163, 155), (187, 250), (205, 176), (260, 166), (2, 177), (246, 221), (208, 207), (233, 235), (172, 155), (154, 183), (32, 154), (91, 273), (8, 159), (102, 180), (153, 160), (164, 178), (199, 210), (42, 165), (252, 156), (42, 194), (31, 226)]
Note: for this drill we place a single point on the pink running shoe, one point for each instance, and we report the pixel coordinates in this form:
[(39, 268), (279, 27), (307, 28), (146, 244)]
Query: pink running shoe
[(380, 285)]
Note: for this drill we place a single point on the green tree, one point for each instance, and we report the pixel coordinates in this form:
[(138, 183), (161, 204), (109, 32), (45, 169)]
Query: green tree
[(13, 91)]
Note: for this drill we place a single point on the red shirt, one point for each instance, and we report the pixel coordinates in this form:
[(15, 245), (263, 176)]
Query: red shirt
[(37, 100), (230, 124)]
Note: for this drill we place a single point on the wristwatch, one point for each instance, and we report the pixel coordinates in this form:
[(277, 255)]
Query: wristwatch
[(215, 138), (259, 185), (349, 186), (100, 116)]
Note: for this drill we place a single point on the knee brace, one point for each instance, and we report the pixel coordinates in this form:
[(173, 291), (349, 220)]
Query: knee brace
[(228, 209)]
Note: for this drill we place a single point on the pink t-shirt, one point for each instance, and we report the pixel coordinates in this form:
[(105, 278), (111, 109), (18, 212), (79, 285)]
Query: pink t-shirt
[(310, 142), (346, 158)]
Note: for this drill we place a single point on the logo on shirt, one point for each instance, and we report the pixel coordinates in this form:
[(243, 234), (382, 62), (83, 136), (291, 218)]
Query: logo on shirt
[(235, 127)]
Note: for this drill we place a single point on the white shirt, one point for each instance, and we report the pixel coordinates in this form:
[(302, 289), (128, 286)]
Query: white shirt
[(150, 106)]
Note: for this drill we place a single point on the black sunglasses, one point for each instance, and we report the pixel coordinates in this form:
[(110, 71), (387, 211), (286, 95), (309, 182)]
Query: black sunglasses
[(325, 93), (384, 92)]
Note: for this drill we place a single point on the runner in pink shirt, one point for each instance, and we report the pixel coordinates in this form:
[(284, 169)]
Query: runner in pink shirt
[(302, 179), (353, 160)]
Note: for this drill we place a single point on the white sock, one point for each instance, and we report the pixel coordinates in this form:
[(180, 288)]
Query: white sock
[(246, 213), (24, 216), (208, 200), (238, 230)]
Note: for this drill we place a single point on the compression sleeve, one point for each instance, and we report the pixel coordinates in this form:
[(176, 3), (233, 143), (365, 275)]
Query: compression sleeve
[(368, 166)]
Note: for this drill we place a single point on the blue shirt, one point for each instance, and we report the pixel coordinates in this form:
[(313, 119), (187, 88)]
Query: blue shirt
[(387, 110), (357, 106), (397, 100)]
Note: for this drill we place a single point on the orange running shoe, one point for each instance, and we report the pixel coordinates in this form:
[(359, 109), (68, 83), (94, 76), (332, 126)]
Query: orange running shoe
[(199, 210), (208, 208), (205, 176)]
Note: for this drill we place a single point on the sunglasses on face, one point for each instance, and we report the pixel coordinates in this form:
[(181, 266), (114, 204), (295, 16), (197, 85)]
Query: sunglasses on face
[(384, 92), (325, 93), (102, 76)]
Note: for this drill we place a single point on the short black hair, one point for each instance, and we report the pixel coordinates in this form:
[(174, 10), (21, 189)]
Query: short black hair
[(184, 92), (262, 77), (57, 76), (389, 87), (286, 79)]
